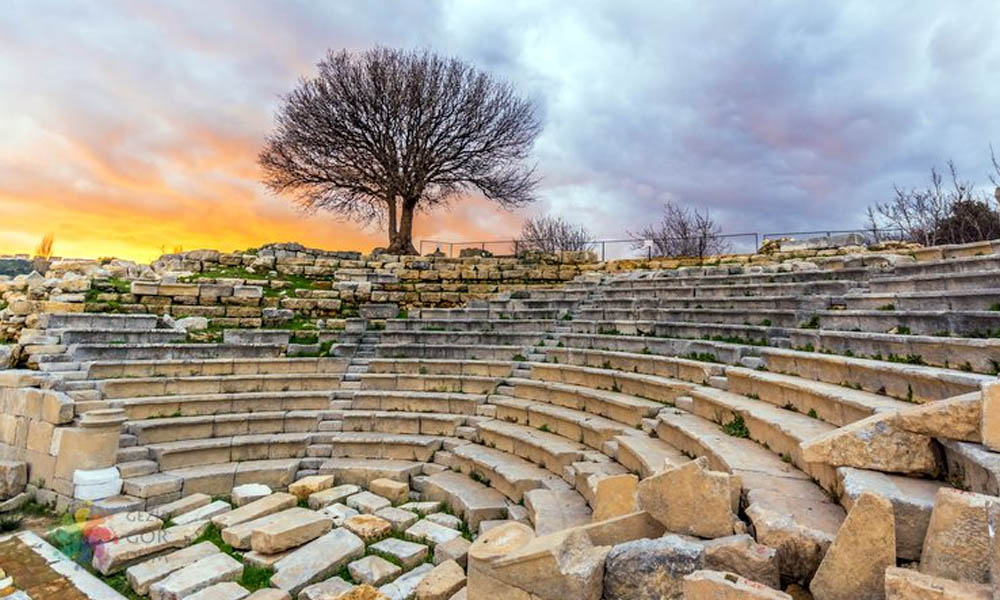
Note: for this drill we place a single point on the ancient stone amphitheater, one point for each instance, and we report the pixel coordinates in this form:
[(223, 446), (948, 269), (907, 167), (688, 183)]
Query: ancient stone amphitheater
[(778, 428)]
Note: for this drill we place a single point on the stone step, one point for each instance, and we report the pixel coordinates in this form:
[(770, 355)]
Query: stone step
[(362, 471), (730, 287), (546, 449), (199, 452), (130, 352), (915, 383), (214, 367), (439, 402), (97, 321), (470, 500), (412, 366), (462, 338), (580, 393), (661, 366), (937, 282), (381, 445), (646, 455), (417, 423), (213, 404), (711, 351), (219, 479), (509, 474), (575, 425), (172, 429), (119, 336), (556, 510), (137, 468), (834, 404), (184, 386), (956, 300), (785, 507), (449, 351), (469, 384)]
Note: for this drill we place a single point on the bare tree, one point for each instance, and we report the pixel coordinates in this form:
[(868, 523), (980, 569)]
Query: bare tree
[(381, 134), (553, 234), (940, 213), (683, 231)]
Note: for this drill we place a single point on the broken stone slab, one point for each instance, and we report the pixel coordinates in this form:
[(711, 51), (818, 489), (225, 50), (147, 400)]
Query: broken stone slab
[(718, 585), (335, 587), (292, 528), (332, 495), (875, 443), (409, 554), (854, 565), (614, 496), (912, 502), (239, 536), (227, 590), (317, 560), (249, 492), (305, 487), (116, 555), (397, 492), (261, 507), (957, 418), (957, 545), (398, 518), (909, 584), (339, 513), (181, 506), (145, 574), (405, 586), (651, 569), (742, 555), (197, 576), (456, 550), (368, 527), (367, 502), (373, 570), (690, 499), (442, 582), (432, 533), (202, 513)]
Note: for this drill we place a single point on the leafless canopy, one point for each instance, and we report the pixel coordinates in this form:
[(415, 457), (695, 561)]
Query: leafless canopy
[(380, 134), (943, 213), (683, 231), (553, 234)]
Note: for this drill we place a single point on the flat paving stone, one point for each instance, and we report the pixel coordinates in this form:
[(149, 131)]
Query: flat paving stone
[(181, 506), (197, 576), (398, 518), (427, 531), (317, 560), (292, 528), (446, 520), (367, 502), (409, 554), (334, 495), (373, 570), (261, 507), (248, 492), (145, 574), (124, 552), (204, 512), (339, 513)]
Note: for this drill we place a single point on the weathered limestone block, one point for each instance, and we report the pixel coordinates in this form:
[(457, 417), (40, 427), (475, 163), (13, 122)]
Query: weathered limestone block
[(227, 590), (368, 527), (615, 496), (258, 508), (456, 550), (367, 502), (399, 519), (854, 565), (332, 495), (13, 477), (442, 582), (335, 588), (651, 569), (197, 576), (741, 555), (717, 585), (409, 554), (403, 588), (317, 560), (958, 418), (875, 443), (294, 527), (249, 492), (908, 584), (373, 570), (690, 499), (145, 574), (306, 486), (396, 492), (957, 545), (116, 555), (990, 424)]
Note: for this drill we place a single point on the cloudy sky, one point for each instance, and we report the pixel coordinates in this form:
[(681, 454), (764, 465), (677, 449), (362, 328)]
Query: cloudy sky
[(129, 128)]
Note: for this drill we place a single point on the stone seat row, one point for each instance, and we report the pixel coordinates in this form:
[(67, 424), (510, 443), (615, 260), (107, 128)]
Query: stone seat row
[(466, 324), (696, 277), (216, 367)]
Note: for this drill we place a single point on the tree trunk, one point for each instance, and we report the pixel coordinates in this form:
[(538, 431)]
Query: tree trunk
[(391, 202), (403, 243)]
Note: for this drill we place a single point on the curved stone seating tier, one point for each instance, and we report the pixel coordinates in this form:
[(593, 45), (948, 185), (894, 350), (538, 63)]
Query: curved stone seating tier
[(410, 366), (141, 387), (408, 401), (213, 404), (954, 322), (217, 367), (828, 402), (619, 327), (550, 304), (645, 455), (462, 338), (363, 444), (983, 258), (497, 325), (119, 336), (416, 423), (954, 300), (968, 280), (192, 453), (509, 474), (567, 293), (467, 384), (545, 449), (649, 364), (973, 466), (731, 302), (670, 289), (723, 275), (780, 431), (576, 425), (788, 511), (448, 351), (129, 352), (96, 321), (216, 479), (901, 381), (622, 407), (619, 316), (649, 391), (172, 429), (723, 352), (361, 471)]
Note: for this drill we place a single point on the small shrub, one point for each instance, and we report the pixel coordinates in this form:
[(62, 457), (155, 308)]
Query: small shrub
[(736, 428)]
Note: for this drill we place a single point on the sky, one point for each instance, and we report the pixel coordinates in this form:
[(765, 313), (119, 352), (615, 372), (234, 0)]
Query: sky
[(132, 128)]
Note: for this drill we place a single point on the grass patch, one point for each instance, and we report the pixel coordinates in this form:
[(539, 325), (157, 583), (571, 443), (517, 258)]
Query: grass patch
[(736, 428)]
